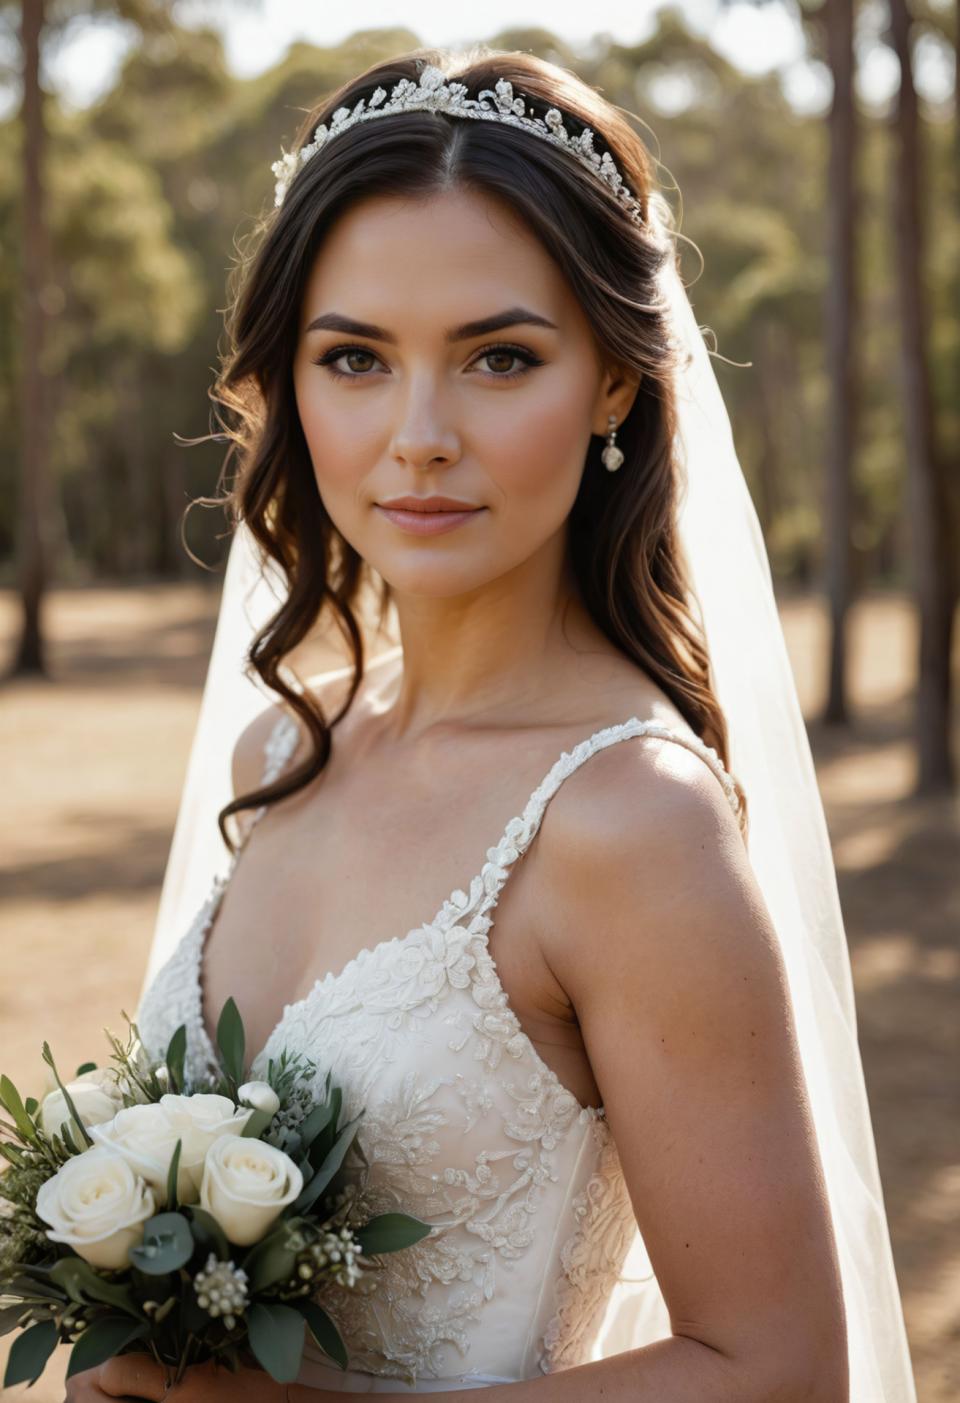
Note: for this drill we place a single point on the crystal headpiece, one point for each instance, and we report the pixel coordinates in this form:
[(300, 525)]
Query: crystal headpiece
[(434, 94)]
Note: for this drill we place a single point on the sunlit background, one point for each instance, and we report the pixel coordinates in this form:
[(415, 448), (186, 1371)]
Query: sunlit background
[(816, 151)]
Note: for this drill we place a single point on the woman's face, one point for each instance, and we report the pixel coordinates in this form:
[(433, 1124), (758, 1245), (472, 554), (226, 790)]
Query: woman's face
[(423, 403)]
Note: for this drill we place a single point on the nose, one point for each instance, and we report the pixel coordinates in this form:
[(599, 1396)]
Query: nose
[(424, 433)]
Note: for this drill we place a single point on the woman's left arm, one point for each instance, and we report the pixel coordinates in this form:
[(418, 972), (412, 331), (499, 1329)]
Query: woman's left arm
[(652, 921)]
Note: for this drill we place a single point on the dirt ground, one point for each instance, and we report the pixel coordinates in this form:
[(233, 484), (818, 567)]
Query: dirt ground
[(94, 758)]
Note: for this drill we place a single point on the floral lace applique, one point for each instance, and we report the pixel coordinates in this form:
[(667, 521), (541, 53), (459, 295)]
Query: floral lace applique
[(591, 1259), (485, 1205)]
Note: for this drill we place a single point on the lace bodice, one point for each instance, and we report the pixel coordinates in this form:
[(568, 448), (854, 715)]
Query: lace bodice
[(465, 1126)]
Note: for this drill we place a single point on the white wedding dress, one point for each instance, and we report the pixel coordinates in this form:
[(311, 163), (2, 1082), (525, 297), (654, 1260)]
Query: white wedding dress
[(465, 1126)]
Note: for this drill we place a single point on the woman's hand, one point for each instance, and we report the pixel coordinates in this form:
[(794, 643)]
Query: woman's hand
[(137, 1376)]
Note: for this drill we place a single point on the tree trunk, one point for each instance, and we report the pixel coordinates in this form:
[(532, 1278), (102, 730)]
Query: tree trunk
[(29, 658), (934, 584), (841, 371)]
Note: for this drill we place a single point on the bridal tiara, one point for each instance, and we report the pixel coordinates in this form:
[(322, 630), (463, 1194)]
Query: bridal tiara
[(434, 94)]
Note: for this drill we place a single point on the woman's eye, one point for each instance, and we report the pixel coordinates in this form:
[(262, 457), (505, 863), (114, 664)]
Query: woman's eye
[(511, 353), (340, 353), (491, 353)]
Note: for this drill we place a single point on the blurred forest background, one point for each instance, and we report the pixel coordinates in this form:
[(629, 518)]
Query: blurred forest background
[(831, 244)]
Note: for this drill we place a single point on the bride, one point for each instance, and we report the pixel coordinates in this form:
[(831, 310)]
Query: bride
[(617, 1069)]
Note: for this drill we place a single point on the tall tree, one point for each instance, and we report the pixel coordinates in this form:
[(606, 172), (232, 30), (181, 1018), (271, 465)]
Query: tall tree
[(829, 29), (32, 564), (38, 23), (934, 569), (37, 19), (837, 17)]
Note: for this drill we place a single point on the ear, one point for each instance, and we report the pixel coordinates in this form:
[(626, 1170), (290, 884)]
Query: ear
[(616, 395)]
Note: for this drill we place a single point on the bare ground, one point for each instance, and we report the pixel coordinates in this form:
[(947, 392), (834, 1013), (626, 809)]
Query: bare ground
[(94, 759)]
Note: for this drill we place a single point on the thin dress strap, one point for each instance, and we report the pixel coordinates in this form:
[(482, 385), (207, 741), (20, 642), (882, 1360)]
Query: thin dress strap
[(520, 832), (280, 745)]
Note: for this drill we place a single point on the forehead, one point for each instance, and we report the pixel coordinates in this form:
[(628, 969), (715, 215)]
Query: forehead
[(457, 244)]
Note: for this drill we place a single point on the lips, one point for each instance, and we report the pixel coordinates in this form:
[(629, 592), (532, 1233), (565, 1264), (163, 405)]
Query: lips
[(428, 504), (432, 522)]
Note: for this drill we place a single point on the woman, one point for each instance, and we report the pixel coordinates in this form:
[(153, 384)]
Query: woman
[(600, 1053)]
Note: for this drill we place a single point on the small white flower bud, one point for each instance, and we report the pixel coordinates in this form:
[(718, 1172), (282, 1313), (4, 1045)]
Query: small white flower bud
[(260, 1095)]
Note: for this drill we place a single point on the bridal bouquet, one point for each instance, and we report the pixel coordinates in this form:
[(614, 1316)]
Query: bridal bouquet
[(138, 1212)]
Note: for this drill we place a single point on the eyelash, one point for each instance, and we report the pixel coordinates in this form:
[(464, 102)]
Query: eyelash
[(334, 354)]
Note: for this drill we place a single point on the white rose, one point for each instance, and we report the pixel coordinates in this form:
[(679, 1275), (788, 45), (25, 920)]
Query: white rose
[(97, 1205), (147, 1136), (144, 1137), (260, 1095), (246, 1185), (96, 1097), (198, 1121)]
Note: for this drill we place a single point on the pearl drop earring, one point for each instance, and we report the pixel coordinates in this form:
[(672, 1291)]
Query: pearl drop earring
[(611, 456)]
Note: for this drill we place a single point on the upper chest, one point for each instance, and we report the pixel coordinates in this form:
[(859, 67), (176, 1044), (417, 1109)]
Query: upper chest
[(366, 853)]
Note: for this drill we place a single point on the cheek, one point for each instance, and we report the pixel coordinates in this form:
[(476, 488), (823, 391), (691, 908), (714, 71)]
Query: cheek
[(341, 439), (536, 452)]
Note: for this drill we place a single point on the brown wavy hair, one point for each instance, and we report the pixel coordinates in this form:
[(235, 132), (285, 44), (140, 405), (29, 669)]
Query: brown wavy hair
[(622, 530)]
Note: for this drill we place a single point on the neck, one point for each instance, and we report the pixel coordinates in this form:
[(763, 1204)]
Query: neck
[(498, 655)]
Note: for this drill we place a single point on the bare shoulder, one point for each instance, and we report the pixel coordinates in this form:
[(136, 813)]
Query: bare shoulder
[(643, 838), (655, 926), (329, 688)]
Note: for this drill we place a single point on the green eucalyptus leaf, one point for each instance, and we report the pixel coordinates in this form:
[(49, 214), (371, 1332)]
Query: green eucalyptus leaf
[(172, 1199), (48, 1058), (326, 1138), (312, 1124), (176, 1056), (231, 1041), (167, 1245), (277, 1337), (10, 1315), (257, 1124), (67, 1137), (31, 1105), (102, 1340), (328, 1168), (358, 1151), (389, 1232), (86, 1067), (323, 1331), (33, 1284), (207, 1232), (270, 1260), (10, 1100), (29, 1354), (82, 1284)]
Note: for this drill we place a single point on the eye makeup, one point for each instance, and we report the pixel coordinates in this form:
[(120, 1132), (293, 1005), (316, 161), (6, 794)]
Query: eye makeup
[(501, 348)]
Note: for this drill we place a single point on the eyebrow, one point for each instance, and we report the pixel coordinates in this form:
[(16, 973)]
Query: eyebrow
[(513, 316)]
